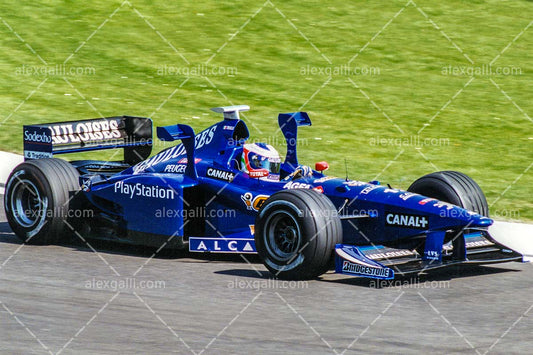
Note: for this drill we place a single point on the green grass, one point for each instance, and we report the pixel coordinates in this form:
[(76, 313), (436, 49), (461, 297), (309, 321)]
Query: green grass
[(483, 133)]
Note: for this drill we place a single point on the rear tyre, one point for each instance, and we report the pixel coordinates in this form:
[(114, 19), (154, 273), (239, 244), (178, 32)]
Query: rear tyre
[(39, 195), (453, 187), (296, 232)]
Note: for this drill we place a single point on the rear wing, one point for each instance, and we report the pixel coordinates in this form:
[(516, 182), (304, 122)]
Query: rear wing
[(134, 134)]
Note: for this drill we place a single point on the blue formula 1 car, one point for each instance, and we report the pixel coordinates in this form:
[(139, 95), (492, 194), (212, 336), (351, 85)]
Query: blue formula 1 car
[(215, 192)]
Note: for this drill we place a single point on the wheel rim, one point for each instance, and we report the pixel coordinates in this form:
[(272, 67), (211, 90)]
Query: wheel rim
[(27, 206), (282, 235)]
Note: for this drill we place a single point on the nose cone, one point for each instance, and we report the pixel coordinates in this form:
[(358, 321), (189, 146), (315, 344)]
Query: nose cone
[(456, 216), (480, 221), (426, 212), (439, 213)]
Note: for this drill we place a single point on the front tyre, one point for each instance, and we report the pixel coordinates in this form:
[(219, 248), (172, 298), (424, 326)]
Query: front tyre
[(453, 187), (296, 232), (39, 195)]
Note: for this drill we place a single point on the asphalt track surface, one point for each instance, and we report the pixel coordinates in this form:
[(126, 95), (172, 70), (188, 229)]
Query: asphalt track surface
[(104, 298)]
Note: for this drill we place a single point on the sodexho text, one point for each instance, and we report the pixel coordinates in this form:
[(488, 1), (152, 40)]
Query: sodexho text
[(42, 137)]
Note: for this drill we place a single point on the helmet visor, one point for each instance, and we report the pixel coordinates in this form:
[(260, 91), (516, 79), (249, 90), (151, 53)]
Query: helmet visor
[(261, 162)]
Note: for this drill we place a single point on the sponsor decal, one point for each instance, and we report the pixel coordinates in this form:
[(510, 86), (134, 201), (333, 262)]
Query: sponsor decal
[(100, 166), (258, 173), (391, 191), (471, 244), (367, 189), (353, 183), (138, 189), (442, 204), (324, 179), (204, 137), (352, 268), (319, 189), (406, 220), (30, 154), (273, 177), (390, 254), (175, 168), (86, 185), (252, 229), (180, 167), (228, 128), (407, 195), (221, 245), (297, 185), (37, 137), (201, 139), (432, 255), (184, 160), (85, 131), (253, 203), (426, 200), (220, 174)]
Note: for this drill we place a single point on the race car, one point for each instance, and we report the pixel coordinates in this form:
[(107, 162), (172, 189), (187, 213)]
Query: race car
[(216, 192)]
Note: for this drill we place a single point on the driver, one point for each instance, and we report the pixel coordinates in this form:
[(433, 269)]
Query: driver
[(260, 160)]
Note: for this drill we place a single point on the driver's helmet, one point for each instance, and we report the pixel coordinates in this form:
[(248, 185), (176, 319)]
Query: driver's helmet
[(260, 160)]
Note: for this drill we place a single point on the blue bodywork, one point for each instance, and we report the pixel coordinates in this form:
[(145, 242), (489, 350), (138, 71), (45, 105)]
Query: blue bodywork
[(194, 194)]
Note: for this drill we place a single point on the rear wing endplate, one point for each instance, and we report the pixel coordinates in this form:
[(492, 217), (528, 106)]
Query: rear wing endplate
[(134, 134)]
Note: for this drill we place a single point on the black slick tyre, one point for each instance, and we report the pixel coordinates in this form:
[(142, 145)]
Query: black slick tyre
[(296, 232), (453, 187), (38, 197)]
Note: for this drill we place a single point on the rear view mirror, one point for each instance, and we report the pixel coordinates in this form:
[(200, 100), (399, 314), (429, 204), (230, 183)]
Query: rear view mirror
[(321, 166)]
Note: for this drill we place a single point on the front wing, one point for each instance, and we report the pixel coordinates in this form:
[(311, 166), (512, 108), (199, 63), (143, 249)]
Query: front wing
[(380, 262)]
